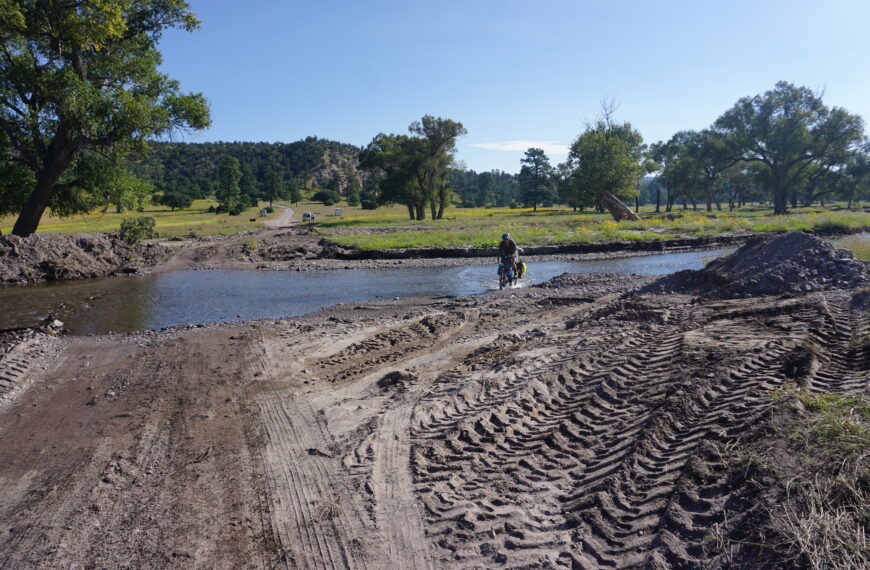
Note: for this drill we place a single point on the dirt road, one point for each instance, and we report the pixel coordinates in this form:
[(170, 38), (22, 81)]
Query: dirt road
[(284, 220), (561, 426)]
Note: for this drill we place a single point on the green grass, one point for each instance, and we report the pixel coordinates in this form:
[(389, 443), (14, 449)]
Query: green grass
[(860, 246), (476, 227), (170, 223), (389, 227), (824, 521)]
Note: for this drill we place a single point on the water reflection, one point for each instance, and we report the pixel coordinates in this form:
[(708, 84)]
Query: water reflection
[(190, 297)]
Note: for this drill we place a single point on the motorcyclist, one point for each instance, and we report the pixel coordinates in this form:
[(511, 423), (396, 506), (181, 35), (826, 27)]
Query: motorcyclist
[(508, 248)]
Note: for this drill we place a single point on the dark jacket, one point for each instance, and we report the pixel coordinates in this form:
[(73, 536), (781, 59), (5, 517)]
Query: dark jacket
[(507, 249)]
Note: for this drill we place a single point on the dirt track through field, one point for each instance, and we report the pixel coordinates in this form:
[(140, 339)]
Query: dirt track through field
[(567, 426)]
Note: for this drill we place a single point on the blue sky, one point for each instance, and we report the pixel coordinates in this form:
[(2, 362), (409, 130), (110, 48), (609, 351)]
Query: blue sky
[(516, 74)]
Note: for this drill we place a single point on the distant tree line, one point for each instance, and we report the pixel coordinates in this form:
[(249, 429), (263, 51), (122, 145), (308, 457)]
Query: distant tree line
[(82, 100), (784, 146), (241, 174)]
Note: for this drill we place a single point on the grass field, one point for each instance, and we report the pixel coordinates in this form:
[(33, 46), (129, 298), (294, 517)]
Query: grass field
[(170, 223), (859, 244), (389, 227), (483, 227)]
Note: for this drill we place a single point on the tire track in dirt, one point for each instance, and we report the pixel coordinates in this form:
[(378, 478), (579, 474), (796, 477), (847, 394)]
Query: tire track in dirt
[(320, 517), (18, 363), (581, 457), (139, 466), (841, 350), (502, 440), (315, 514), (396, 507)]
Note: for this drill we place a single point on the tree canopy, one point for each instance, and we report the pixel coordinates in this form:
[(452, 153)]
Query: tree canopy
[(415, 170), (792, 133), (606, 161), (536, 178), (80, 80)]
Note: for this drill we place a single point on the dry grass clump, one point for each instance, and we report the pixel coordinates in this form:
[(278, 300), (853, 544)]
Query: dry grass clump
[(824, 521), (860, 246)]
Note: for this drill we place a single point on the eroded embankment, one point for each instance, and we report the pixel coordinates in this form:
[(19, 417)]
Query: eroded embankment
[(42, 257), (579, 424)]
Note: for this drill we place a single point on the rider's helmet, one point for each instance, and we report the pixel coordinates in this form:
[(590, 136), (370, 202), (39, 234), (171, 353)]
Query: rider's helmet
[(505, 236)]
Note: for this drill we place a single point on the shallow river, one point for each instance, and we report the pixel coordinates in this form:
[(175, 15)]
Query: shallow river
[(191, 297)]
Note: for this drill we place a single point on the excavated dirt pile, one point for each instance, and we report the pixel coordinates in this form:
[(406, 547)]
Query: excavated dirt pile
[(59, 258), (795, 262)]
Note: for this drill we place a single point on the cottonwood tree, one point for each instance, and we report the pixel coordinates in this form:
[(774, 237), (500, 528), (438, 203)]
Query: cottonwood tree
[(790, 131), (607, 161), (693, 163), (390, 160), (434, 147), (854, 180), (536, 177), (415, 169), (79, 77)]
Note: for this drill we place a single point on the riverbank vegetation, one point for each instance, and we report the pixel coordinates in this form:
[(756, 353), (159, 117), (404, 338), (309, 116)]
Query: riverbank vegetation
[(549, 226), (199, 219), (820, 469)]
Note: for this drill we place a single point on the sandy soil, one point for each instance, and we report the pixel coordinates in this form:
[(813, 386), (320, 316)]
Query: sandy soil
[(570, 425)]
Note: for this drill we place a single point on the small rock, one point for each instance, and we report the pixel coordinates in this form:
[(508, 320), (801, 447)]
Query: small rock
[(397, 377)]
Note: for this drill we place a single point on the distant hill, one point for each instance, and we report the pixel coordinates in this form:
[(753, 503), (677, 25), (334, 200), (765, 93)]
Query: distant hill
[(310, 163)]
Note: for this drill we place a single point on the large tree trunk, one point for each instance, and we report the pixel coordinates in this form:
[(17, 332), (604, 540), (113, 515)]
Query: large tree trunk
[(38, 201), (616, 207), (421, 211), (658, 198), (443, 199), (411, 212), (780, 195)]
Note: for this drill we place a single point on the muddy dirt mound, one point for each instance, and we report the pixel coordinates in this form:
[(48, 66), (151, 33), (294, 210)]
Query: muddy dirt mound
[(795, 262), (294, 244), (594, 283), (58, 258)]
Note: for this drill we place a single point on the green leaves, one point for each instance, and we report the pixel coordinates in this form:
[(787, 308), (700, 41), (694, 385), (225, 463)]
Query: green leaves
[(415, 169), (790, 131), (229, 175), (79, 77), (536, 177), (608, 158)]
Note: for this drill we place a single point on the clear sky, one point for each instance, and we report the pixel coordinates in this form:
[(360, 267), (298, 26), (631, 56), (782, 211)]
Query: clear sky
[(515, 73)]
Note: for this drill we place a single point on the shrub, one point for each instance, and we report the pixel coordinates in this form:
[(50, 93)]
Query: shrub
[(269, 209), (134, 230), (235, 211), (368, 201), (326, 195), (212, 209), (353, 199)]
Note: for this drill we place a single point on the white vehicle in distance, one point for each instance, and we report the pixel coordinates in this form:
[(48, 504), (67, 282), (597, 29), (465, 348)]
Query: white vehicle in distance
[(307, 216)]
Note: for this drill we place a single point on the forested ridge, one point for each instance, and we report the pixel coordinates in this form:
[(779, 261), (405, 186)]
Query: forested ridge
[(190, 170)]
